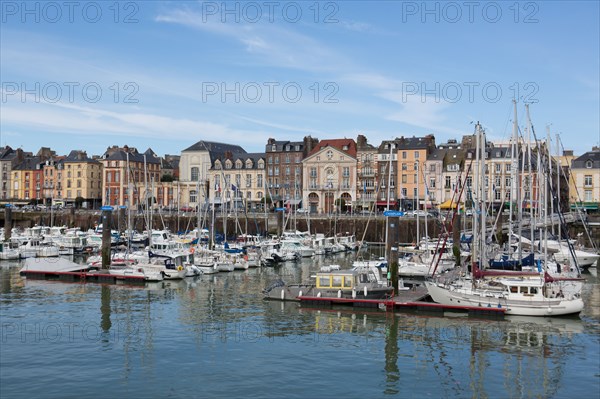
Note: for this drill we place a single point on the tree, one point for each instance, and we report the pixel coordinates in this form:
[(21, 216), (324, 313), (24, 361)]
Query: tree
[(167, 178), (78, 202)]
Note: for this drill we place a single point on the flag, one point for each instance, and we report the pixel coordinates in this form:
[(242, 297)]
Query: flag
[(365, 187), (233, 188)]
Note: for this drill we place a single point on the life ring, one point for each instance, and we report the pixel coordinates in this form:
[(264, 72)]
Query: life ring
[(192, 249), (180, 268), (245, 257)]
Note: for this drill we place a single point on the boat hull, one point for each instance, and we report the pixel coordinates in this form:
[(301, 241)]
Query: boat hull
[(448, 296)]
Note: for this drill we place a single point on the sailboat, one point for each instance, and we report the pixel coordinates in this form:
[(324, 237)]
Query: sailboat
[(524, 294)]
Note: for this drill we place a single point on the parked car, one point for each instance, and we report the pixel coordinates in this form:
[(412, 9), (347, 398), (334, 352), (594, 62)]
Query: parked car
[(186, 209), (302, 210)]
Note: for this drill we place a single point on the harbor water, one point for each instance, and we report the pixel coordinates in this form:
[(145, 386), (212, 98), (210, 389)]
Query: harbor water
[(215, 336)]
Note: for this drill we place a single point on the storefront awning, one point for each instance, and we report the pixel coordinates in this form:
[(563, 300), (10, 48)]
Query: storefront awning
[(385, 203), (449, 204), (293, 202)]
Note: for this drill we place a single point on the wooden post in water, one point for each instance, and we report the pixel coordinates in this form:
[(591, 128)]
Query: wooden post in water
[(106, 228), (7, 222), (392, 250), (280, 218), (456, 237)]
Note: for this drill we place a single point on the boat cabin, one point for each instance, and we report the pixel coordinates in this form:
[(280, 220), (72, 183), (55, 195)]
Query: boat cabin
[(345, 279)]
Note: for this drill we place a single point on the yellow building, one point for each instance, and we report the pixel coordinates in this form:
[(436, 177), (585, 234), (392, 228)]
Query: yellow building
[(78, 176), (586, 175)]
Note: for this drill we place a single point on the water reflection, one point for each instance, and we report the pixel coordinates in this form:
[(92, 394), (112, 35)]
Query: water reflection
[(216, 321)]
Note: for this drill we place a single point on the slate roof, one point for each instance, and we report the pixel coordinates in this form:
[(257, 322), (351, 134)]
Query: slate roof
[(215, 150), (580, 162)]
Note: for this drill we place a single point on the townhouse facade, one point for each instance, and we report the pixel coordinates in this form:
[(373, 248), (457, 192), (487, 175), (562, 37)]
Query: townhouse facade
[(329, 176), (586, 177), (366, 174), (284, 169), (128, 177), (82, 178), (239, 182)]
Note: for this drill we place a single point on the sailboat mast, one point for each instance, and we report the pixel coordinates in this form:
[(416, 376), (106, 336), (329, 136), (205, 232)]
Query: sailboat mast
[(388, 191), (548, 146), (529, 163), (559, 175), (483, 197), (478, 190), (516, 182)]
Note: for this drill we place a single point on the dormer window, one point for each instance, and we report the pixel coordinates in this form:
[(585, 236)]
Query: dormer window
[(274, 147), (345, 148), (589, 164)]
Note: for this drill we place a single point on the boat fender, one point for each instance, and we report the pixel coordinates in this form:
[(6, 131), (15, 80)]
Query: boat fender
[(353, 294), (339, 293), (365, 291), (319, 294), (180, 268), (282, 294), (300, 293)]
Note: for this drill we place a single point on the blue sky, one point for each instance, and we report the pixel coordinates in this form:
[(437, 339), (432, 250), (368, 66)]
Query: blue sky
[(167, 74)]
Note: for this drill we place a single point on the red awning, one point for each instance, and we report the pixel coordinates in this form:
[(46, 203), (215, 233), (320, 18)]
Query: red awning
[(384, 203)]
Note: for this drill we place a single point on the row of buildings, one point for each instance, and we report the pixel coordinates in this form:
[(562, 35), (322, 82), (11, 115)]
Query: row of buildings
[(323, 176)]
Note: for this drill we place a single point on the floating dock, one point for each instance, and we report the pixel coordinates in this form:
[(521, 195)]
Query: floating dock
[(59, 269), (413, 299)]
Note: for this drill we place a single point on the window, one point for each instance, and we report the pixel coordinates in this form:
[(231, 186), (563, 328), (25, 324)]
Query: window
[(403, 154), (507, 182), (469, 181), (259, 180), (507, 168), (404, 192), (448, 182), (346, 171), (287, 158), (432, 168), (416, 154), (587, 181), (497, 195), (498, 168), (193, 196), (432, 183), (404, 179), (416, 166), (248, 181), (587, 195), (287, 170), (194, 174), (404, 167)]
